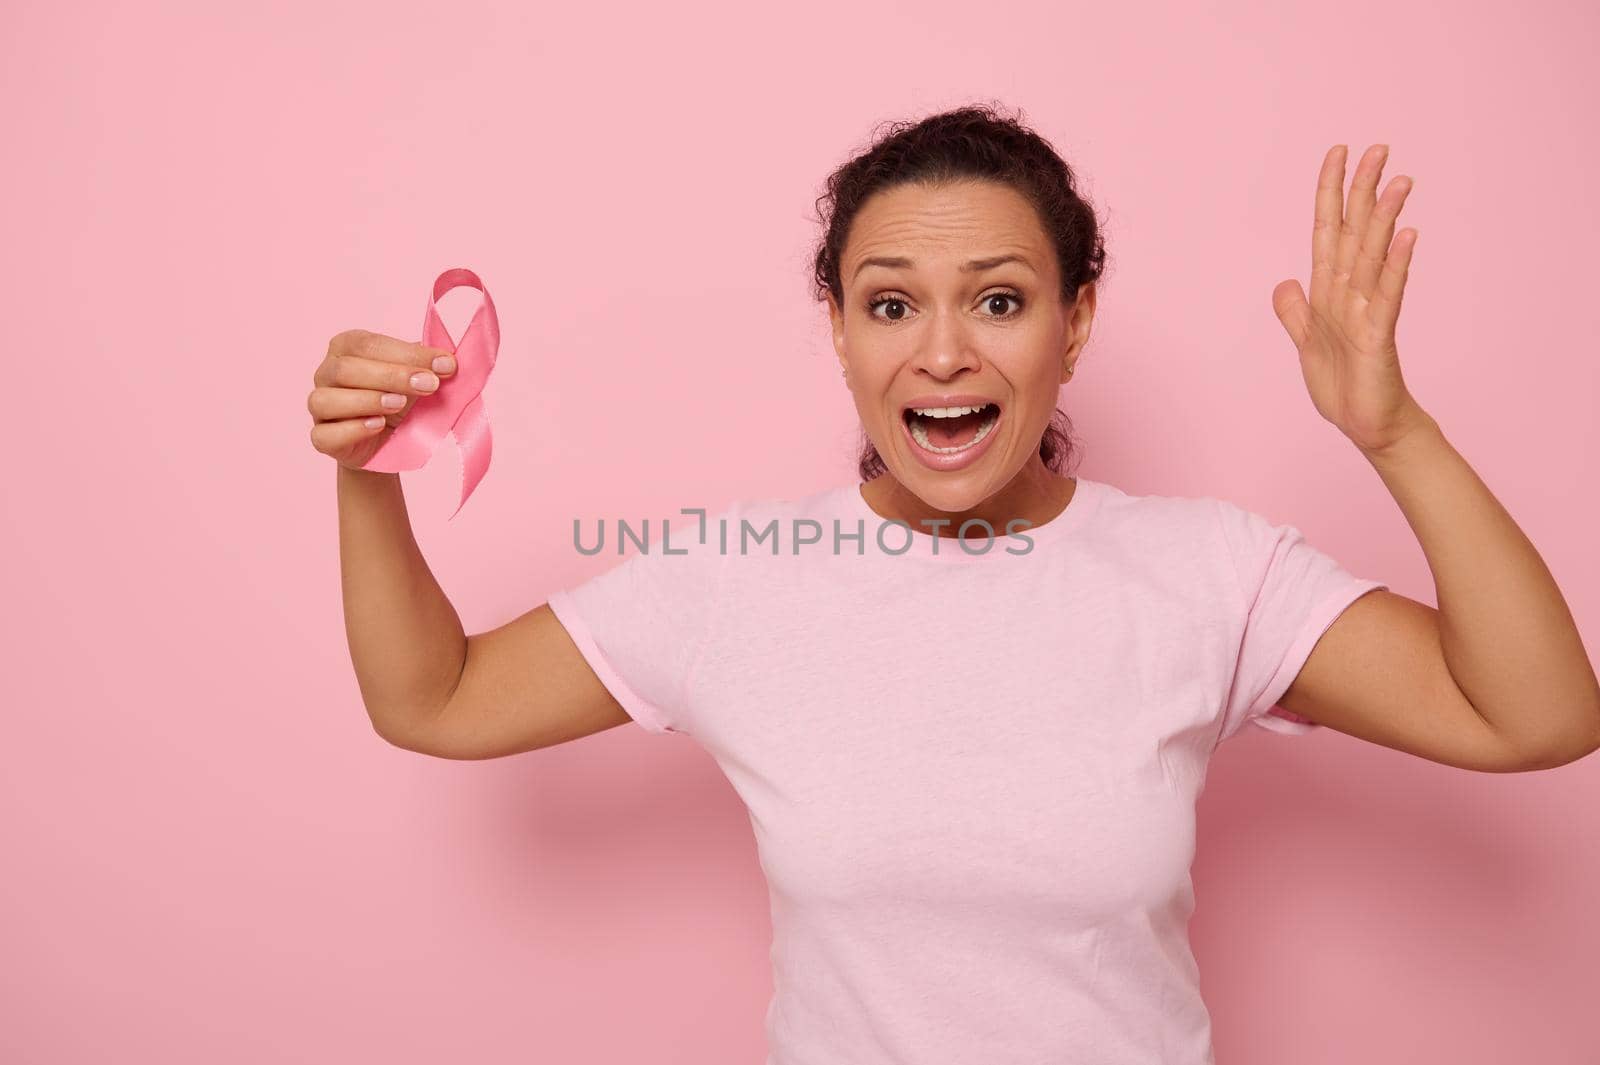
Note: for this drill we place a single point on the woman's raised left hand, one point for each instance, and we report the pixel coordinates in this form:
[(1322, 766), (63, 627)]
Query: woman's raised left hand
[(1345, 332)]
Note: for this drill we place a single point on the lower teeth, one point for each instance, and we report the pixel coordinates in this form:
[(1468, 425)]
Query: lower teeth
[(920, 435)]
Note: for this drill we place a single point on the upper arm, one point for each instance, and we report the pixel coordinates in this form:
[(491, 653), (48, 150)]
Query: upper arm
[(1379, 673), (524, 686)]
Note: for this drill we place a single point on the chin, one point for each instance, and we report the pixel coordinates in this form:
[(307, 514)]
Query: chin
[(952, 491)]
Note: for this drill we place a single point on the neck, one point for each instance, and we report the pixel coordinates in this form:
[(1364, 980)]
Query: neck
[(1035, 495)]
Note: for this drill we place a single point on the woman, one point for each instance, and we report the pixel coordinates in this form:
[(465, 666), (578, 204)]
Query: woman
[(971, 743)]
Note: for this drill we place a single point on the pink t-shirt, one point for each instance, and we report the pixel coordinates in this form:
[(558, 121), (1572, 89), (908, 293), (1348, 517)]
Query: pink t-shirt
[(971, 777)]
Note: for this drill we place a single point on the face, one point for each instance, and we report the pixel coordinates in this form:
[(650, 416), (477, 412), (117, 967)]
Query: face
[(933, 333)]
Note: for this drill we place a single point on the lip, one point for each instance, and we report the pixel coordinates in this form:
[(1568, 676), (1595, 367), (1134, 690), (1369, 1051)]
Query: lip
[(961, 459), (957, 399)]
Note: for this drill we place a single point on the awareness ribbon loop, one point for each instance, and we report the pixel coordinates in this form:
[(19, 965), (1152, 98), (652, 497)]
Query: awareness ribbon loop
[(456, 406)]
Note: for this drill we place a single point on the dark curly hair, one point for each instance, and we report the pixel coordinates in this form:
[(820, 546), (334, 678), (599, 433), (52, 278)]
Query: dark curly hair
[(972, 142)]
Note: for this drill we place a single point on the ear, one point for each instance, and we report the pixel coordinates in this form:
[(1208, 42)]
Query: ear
[(836, 320), (1080, 321)]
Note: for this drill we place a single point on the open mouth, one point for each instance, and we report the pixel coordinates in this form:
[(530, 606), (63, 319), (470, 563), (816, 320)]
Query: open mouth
[(950, 430)]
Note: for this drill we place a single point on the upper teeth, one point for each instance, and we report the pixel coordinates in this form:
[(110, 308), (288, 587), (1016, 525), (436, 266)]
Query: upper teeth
[(945, 412)]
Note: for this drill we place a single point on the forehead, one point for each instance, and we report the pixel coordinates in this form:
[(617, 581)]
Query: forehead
[(927, 222)]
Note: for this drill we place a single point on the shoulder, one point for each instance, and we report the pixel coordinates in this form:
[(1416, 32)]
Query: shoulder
[(1183, 522)]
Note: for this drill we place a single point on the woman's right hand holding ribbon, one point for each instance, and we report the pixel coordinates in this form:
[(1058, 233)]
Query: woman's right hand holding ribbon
[(364, 388)]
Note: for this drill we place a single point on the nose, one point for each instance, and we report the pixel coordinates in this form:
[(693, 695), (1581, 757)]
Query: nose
[(945, 349)]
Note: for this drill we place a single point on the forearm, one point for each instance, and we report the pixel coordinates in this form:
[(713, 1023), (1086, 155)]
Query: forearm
[(1507, 634), (406, 640)]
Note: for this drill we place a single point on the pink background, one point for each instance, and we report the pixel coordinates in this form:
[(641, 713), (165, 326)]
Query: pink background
[(211, 856)]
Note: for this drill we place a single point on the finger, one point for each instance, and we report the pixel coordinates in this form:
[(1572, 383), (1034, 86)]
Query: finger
[(1380, 232), (329, 404), (1289, 303), (354, 371), (361, 344), (1363, 193), (334, 438), (1325, 224), (1391, 286)]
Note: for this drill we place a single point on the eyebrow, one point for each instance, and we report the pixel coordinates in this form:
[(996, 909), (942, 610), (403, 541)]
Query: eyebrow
[(971, 266)]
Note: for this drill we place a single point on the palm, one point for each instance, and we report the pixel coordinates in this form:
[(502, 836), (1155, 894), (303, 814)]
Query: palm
[(1345, 332), (361, 451)]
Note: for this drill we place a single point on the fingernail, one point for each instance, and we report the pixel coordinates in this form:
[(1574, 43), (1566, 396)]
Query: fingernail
[(393, 401), (444, 364), (423, 381), (374, 422)]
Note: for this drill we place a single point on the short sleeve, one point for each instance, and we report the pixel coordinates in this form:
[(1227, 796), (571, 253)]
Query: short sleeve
[(642, 623), (1289, 594)]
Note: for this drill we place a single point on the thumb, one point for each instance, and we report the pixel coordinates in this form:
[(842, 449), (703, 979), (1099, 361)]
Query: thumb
[(1289, 303)]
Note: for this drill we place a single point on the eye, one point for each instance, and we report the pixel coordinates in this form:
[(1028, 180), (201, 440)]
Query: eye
[(899, 303), (874, 304), (1012, 296)]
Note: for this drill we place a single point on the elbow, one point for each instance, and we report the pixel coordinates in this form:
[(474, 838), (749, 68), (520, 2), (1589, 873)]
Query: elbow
[(402, 730), (386, 731)]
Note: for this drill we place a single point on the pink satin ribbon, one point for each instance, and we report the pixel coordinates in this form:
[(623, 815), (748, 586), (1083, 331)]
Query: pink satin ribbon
[(456, 407)]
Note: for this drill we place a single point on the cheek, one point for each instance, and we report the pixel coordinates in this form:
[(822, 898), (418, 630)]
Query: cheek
[(1037, 382), (870, 378)]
